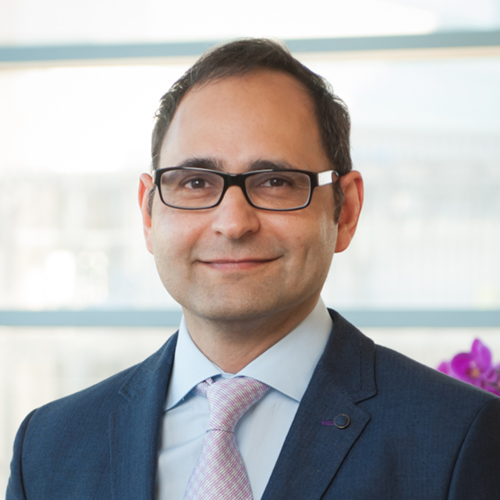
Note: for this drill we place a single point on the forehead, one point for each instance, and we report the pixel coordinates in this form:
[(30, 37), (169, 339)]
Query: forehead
[(240, 119)]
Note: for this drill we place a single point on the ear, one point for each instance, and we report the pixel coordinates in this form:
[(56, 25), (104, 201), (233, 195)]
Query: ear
[(145, 186), (352, 187)]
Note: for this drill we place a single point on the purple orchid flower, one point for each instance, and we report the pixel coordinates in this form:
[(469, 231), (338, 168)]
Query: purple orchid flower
[(474, 367)]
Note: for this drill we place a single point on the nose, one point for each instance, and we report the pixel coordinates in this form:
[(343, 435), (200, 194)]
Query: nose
[(235, 217)]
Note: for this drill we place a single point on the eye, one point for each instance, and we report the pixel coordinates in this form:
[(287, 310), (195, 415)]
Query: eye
[(191, 182), (275, 181), (196, 183)]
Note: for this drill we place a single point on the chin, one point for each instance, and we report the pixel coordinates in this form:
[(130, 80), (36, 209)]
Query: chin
[(228, 310)]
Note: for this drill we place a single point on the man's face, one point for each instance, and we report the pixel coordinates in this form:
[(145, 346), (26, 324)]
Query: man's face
[(234, 262)]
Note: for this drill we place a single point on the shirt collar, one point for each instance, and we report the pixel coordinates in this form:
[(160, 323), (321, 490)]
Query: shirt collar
[(287, 366), (190, 368)]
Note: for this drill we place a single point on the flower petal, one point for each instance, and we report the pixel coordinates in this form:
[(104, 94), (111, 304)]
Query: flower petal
[(482, 356), (445, 367), (492, 388), (461, 364)]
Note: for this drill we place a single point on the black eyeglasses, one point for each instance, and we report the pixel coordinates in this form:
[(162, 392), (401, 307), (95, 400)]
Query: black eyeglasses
[(190, 188)]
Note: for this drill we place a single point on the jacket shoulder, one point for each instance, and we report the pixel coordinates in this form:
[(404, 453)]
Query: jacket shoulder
[(72, 435), (102, 398), (408, 376)]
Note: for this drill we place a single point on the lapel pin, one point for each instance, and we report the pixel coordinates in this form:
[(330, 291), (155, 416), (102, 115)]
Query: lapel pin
[(340, 421)]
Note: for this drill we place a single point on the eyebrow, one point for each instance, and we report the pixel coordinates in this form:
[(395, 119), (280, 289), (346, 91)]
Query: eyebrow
[(215, 164), (208, 163), (271, 165)]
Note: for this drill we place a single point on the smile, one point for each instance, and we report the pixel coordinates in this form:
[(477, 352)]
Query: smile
[(236, 264)]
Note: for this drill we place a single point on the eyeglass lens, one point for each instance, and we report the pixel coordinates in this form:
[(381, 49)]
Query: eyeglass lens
[(276, 190)]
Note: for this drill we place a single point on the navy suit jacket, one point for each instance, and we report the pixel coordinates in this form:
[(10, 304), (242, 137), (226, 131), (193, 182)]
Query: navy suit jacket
[(412, 433)]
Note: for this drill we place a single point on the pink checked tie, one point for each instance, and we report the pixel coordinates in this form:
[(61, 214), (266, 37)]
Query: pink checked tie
[(220, 473)]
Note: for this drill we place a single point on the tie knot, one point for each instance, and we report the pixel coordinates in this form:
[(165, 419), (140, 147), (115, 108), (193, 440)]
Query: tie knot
[(229, 399)]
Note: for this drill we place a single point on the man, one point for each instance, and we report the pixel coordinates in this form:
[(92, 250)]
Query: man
[(252, 194)]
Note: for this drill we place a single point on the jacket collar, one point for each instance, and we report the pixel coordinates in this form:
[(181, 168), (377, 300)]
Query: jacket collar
[(319, 439), (135, 427)]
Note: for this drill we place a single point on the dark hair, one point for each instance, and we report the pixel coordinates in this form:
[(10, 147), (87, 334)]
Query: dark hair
[(244, 56)]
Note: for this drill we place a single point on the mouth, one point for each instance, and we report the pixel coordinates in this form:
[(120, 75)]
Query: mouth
[(236, 264)]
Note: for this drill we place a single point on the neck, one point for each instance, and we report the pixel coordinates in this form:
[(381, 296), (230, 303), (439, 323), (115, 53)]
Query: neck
[(233, 344)]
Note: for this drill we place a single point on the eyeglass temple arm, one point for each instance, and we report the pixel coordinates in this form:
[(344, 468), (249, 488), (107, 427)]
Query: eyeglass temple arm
[(328, 177)]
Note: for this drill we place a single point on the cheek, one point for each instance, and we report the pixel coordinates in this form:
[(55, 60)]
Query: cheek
[(312, 244), (329, 233), (325, 219), (172, 240), (321, 244)]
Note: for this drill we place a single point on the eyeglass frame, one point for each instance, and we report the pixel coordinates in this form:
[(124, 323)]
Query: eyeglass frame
[(317, 179)]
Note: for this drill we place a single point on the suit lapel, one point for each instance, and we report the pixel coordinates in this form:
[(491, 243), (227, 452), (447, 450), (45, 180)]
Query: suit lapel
[(319, 439), (135, 427)]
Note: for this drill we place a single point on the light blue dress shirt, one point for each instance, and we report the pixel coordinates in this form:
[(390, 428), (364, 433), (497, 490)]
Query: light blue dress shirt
[(286, 367)]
